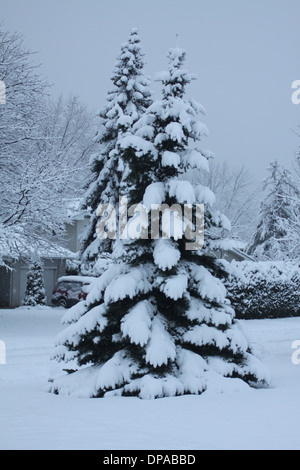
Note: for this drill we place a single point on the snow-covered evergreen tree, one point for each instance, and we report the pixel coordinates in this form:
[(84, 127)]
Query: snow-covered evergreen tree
[(35, 293), (278, 231), (126, 102), (157, 323)]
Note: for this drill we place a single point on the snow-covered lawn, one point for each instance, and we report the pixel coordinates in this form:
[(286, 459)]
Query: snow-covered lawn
[(32, 418)]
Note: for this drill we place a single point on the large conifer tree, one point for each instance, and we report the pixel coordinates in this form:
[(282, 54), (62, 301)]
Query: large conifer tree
[(157, 323), (126, 102)]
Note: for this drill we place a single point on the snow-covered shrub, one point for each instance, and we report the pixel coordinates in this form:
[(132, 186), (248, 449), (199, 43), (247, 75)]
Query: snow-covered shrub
[(265, 289)]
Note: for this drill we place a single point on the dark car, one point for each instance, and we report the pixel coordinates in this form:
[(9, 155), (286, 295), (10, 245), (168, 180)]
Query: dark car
[(69, 290)]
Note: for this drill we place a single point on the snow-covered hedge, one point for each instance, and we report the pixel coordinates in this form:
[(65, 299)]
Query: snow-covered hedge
[(265, 289)]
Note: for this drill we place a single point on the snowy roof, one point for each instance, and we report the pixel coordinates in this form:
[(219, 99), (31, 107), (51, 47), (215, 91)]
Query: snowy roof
[(41, 248), (236, 247), (241, 253)]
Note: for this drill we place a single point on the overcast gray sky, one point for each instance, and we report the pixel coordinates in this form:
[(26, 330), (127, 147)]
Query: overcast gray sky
[(245, 54)]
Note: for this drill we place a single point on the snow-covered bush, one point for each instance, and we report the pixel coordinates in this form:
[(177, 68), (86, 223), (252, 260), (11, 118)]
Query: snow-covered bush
[(265, 289)]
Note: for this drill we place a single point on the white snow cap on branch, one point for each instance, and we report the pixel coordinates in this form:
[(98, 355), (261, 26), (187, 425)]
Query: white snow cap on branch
[(195, 159), (137, 322), (175, 287), (208, 286), (170, 159), (161, 347), (182, 191), (154, 194), (165, 254), (127, 285), (91, 319)]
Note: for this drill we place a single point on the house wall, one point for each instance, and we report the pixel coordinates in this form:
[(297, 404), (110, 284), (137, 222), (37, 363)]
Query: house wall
[(13, 283), (81, 224), (69, 241), (230, 256), (5, 286), (73, 232)]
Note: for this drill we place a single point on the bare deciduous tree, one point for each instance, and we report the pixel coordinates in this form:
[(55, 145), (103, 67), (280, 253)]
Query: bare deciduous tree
[(237, 195), (44, 152)]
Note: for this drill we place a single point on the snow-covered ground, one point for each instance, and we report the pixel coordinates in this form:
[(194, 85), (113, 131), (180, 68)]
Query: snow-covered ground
[(244, 418)]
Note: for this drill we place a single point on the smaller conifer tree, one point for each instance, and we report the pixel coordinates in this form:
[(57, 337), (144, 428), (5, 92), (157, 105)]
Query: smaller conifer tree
[(278, 229), (35, 293), (126, 103)]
